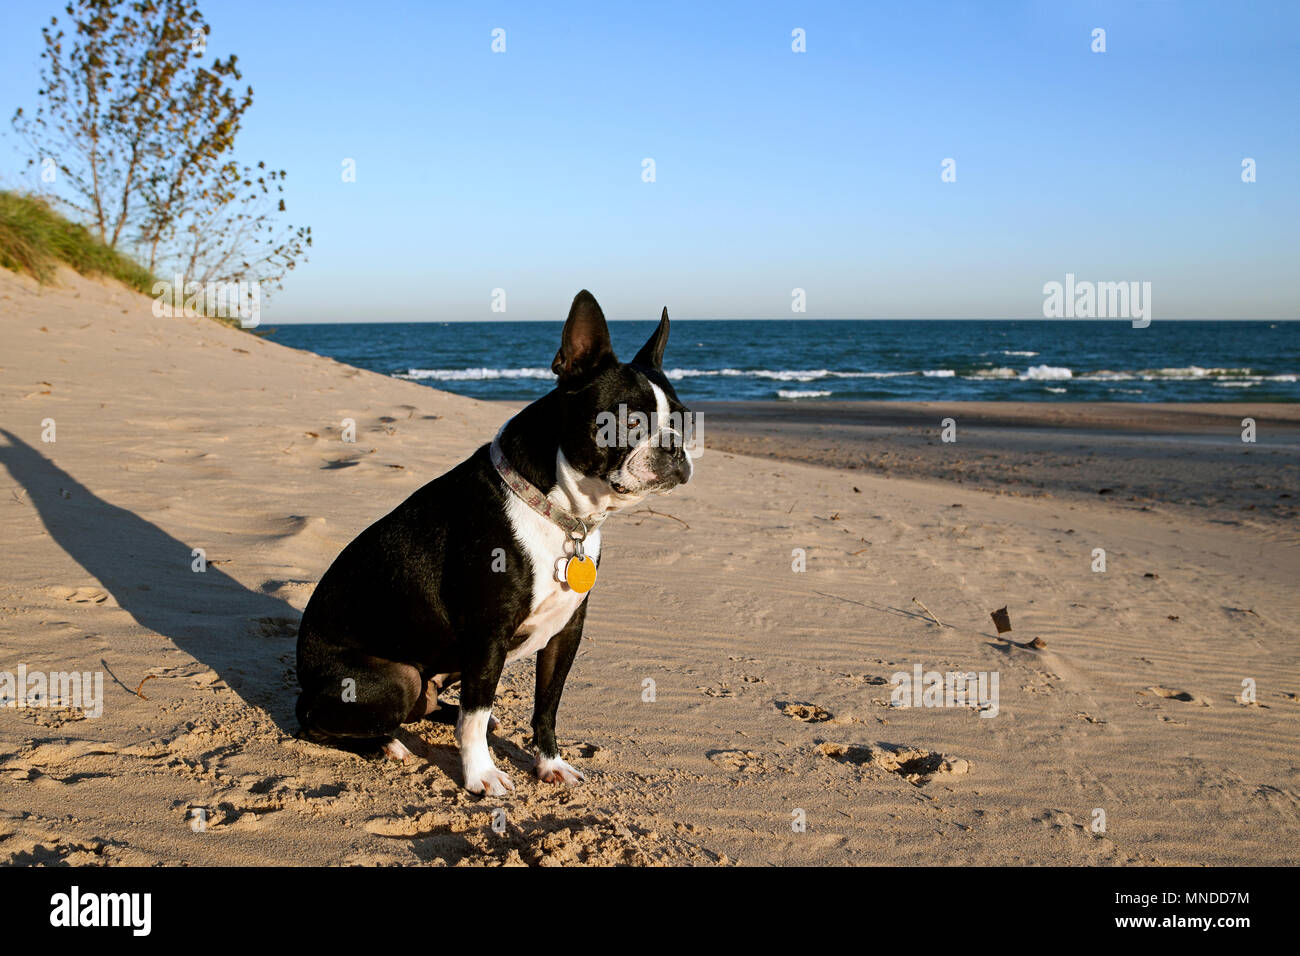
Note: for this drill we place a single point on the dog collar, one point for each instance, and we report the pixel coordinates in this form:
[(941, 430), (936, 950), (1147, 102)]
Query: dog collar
[(532, 496)]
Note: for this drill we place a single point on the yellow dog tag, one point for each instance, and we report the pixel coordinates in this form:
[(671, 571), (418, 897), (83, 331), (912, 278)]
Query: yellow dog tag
[(580, 573)]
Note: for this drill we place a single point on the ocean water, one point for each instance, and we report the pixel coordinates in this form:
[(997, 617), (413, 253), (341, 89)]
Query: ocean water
[(814, 360)]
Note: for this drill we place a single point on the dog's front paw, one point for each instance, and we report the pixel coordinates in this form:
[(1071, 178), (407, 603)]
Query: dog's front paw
[(555, 770), (488, 781)]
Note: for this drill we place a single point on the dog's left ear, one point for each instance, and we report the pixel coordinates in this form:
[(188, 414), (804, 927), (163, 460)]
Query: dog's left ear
[(652, 353)]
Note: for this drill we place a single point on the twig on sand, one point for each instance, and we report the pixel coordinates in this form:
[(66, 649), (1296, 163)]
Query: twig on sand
[(933, 617), (137, 690), (651, 511)]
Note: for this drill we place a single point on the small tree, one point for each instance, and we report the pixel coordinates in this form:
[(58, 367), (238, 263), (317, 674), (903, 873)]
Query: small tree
[(233, 231), (141, 136)]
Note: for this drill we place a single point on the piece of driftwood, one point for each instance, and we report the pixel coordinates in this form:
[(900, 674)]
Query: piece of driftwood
[(661, 514), (933, 617)]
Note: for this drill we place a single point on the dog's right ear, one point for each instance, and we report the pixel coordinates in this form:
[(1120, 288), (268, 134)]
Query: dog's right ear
[(584, 344)]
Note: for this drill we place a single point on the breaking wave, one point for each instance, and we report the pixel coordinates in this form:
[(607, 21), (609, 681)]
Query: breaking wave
[(1225, 377), (789, 393)]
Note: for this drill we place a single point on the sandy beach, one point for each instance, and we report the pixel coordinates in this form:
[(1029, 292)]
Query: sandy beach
[(726, 708)]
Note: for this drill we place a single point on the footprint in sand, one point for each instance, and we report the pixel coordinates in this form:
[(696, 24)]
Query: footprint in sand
[(53, 719), (408, 827), (747, 761), (1170, 694), (808, 713), (53, 851), (289, 590), (276, 626), (551, 839), (84, 595), (915, 766), (872, 680)]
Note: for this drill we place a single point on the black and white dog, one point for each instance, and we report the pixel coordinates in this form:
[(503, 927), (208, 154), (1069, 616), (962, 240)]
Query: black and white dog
[(490, 562)]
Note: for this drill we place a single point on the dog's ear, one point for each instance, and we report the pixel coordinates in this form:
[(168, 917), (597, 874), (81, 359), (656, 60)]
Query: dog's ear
[(584, 344), (652, 353)]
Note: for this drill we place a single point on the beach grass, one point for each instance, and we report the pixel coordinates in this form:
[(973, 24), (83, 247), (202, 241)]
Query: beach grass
[(35, 238)]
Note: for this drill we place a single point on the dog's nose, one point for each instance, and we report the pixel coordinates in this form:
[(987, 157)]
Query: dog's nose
[(684, 471), (672, 466), (682, 467)]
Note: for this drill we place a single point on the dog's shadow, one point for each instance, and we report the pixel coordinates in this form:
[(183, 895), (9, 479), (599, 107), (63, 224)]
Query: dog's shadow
[(245, 636)]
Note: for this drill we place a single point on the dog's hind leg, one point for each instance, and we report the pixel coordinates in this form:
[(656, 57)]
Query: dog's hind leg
[(359, 703), (427, 705)]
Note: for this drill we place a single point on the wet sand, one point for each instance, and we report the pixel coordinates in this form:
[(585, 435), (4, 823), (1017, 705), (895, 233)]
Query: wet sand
[(1133, 455)]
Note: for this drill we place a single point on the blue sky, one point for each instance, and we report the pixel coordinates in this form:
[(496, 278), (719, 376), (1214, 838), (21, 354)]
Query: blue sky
[(775, 170)]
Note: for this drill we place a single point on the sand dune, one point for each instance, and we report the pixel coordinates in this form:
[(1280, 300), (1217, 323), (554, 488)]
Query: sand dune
[(770, 686)]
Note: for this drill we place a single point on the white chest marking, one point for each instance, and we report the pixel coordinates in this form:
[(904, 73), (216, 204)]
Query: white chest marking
[(553, 602)]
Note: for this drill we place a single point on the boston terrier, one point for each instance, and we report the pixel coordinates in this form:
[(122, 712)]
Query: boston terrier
[(492, 561)]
